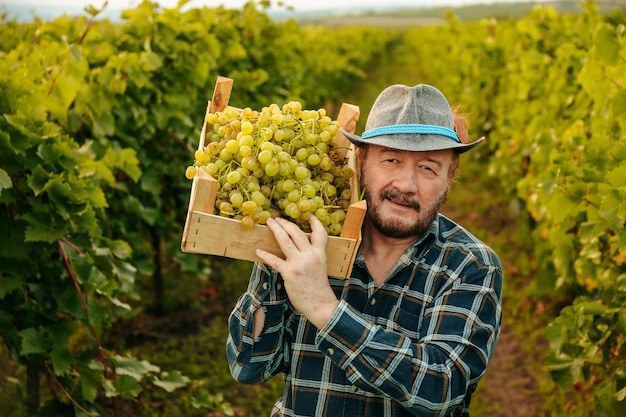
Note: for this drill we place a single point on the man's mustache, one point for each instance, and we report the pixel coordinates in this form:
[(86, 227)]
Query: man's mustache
[(399, 198)]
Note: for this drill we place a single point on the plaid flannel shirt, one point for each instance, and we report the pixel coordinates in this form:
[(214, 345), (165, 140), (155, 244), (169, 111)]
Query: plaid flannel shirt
[(416, 345)]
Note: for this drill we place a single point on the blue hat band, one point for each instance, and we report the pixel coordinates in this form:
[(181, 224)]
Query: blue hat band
[(411, 128)]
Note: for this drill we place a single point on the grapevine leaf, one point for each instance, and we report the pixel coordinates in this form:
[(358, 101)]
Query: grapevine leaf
[(103, 124), (133, 367), (62, 359), (608, 210), (595, 308), (69, 302), (171, 381), (75, 52), (91, 377), (5, 180), (562, 206), (38, 179), (8, 284), (617, 176), (607, 45), (152, 60), (33, 341), (42, 231), (129, 163), (126, 386), (619, 103), (121, 249), (96, 197), (117, 302)]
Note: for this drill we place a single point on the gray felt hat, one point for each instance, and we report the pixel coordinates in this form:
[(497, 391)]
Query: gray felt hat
[(412, 119)]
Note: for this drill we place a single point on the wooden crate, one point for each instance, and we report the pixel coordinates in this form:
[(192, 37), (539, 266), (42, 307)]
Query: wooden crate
[(207, 233)]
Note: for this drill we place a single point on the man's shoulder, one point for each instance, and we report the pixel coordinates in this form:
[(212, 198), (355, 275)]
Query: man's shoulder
[(454, 236)]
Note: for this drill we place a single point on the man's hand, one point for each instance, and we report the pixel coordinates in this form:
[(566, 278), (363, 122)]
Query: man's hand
[(304, 269)]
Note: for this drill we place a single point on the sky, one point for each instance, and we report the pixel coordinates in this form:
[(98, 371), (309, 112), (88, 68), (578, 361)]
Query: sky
[(299, 5)]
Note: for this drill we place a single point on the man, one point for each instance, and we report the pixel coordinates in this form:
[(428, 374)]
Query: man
[(412, 330)]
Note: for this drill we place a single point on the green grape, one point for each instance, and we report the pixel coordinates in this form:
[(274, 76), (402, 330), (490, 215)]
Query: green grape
[(334, 229), (330, 190), (302, 173), (210, 168), (283, 156), (236, 199), (337, 216), (247, 222), (211, 118), (313, 159), (288, 185), (246, 127), (280, 135), (245, 151), (266, 190), (252, 185), (225, 208), (309, 190), (233, 177), (225, 155), (249, 207), (322, 214), (246, 140), (294, 195), (232, 146), (264, 156), (292, 210), (326, 163), (258, 198), (319, 201), (284, 169), (267, 146), (190, 172), (252, 163), (272, 168), (263, 216)]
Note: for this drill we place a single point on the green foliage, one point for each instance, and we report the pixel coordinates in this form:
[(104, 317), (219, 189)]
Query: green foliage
[(97, 126), (548, 91)]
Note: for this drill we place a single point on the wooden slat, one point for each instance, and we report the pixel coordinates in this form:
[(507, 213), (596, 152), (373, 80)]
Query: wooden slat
[(354, 219), (221, 94), (348, 117), (219, 101), (216, 235)]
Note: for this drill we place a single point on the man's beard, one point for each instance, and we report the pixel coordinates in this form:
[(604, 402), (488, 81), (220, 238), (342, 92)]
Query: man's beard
[(392, 227)]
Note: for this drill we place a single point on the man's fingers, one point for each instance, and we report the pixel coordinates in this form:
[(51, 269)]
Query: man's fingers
[(319, 237), (270, 259), (288, 235)]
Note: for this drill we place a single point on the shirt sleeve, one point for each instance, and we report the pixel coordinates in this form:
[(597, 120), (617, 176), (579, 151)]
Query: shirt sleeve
[(432, 375), (257, 360)]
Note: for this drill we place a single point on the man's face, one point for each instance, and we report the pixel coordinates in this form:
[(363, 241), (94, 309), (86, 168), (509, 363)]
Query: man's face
[(404, 190)]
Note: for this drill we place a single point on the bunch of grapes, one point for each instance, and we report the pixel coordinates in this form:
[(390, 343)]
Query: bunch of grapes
[(276, 162)]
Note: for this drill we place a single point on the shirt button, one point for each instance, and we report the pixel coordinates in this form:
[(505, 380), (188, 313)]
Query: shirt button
[(330, 351), (266, 285), (353, 388), (373, 301), (279, 286)]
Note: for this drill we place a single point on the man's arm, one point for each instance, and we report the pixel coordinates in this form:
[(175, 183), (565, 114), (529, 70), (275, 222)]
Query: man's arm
[(433, 374), (256, 346)]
